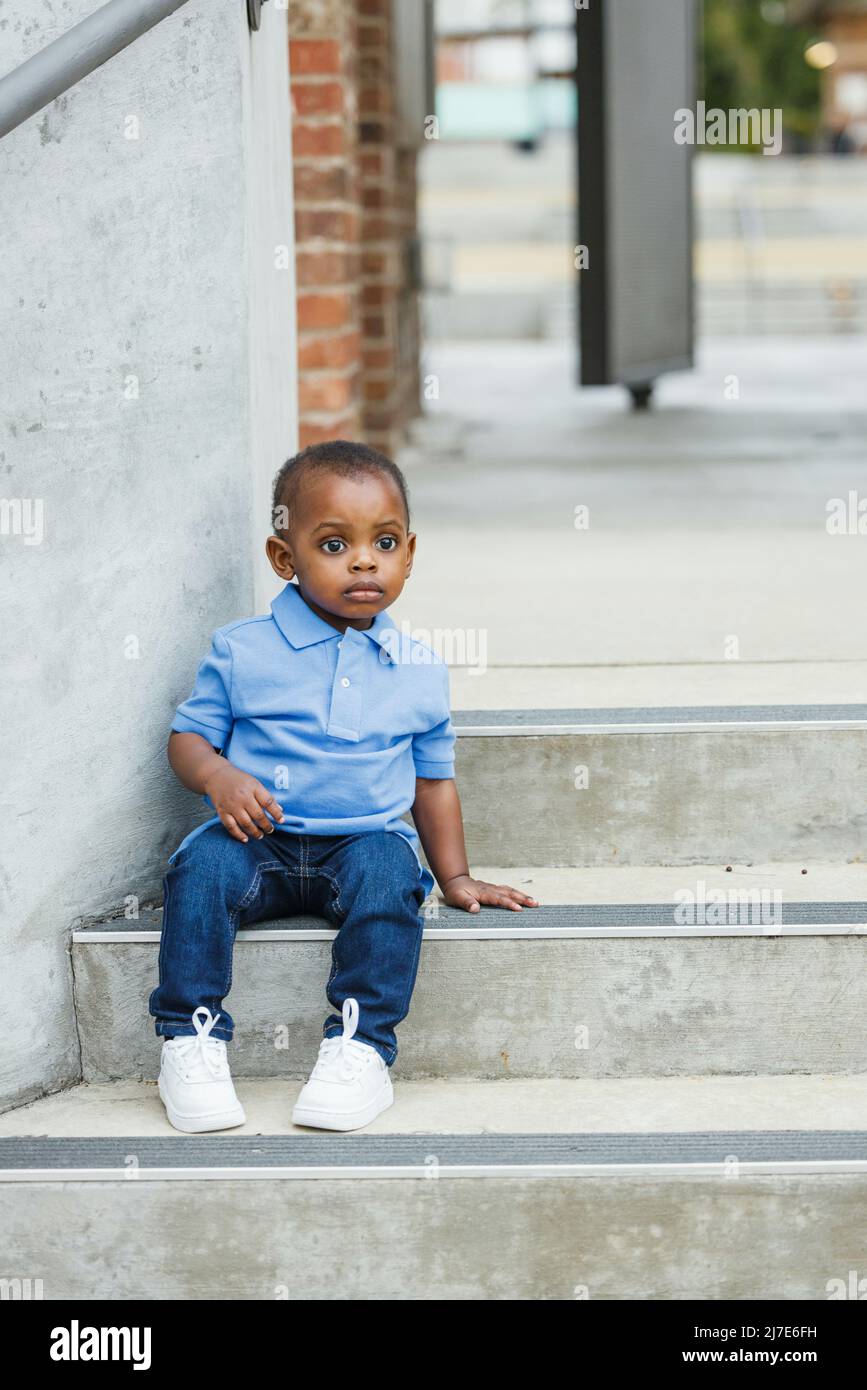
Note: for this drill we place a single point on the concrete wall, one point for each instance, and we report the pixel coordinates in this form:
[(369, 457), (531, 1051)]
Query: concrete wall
[(147, 369)]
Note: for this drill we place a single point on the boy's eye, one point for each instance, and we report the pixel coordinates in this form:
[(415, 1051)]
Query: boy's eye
[(336, 541)]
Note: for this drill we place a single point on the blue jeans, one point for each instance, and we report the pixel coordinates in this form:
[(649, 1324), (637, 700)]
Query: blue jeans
[(368, 885)]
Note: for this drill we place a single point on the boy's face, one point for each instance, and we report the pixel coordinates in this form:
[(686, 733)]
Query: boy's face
[(349, 547)]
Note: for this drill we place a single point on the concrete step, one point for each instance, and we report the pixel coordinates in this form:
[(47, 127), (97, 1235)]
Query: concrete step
[(449, 1105), (516, 310), (697, 1188), (736, 326), (665, 785), (667, 973), (543, 686)]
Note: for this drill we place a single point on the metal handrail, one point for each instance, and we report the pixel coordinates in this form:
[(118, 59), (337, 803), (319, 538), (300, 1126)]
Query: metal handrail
[(75, 54)]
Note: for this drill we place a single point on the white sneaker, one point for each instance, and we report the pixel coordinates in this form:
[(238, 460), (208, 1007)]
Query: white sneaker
[(195, 1083), (350, 1084)]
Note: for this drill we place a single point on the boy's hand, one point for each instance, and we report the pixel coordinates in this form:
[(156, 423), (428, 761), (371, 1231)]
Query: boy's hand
[(242, 802), (469, 893)]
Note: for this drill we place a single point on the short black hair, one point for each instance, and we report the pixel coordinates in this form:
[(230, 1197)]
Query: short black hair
[(341, 456)]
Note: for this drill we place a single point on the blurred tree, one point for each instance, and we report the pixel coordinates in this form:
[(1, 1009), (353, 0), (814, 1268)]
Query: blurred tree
[(752, 57)]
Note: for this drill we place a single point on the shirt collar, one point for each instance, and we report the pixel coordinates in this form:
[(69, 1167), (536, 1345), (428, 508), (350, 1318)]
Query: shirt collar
[(302, 627)]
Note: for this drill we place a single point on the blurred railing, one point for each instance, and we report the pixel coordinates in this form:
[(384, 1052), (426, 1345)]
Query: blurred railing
[(780, 245)]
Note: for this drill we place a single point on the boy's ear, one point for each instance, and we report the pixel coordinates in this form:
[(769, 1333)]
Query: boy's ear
[(410, 551), (280, 557)]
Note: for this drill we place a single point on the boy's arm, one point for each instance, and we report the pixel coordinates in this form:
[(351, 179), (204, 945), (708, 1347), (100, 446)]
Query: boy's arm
[(239, 800), (191, 758), (436, 812), (201, 725)]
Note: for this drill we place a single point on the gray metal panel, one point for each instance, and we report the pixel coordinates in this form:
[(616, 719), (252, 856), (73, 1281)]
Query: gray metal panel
[(413, 44), (650, 75), (636, 189)]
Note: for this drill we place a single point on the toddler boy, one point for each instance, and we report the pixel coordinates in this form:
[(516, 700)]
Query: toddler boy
[(311, 732)]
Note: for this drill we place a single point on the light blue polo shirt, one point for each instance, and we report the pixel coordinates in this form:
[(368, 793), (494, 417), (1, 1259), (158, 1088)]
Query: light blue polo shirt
[(336, 725)]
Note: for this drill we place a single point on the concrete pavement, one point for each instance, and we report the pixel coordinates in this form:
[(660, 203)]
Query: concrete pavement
[(705, 570)]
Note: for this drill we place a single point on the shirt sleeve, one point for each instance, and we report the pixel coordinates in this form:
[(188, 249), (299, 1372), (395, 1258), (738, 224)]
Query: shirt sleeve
[(208, 711), (433, 750)]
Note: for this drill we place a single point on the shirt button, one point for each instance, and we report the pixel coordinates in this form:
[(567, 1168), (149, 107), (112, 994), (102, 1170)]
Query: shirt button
[(345, 680)]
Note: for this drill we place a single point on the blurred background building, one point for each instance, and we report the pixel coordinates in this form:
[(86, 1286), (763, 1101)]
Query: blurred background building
[(838, 50), (505, 69)]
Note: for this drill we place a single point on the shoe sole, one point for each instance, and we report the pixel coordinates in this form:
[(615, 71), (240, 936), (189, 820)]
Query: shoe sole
[(356, 1119), (202, 1124)]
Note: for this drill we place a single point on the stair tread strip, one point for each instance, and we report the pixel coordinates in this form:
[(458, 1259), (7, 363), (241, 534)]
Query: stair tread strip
[(659, 717), (328, 1154), (742, 918)]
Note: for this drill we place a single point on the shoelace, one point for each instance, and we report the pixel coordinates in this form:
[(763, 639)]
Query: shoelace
[(203, 1048), (350, 1056)]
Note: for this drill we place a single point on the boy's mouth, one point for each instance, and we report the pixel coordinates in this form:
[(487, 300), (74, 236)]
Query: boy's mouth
[(364, 589)]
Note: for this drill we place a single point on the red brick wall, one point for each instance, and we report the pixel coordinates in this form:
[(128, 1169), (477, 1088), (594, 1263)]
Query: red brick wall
[(322, 53), (355, 210)]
